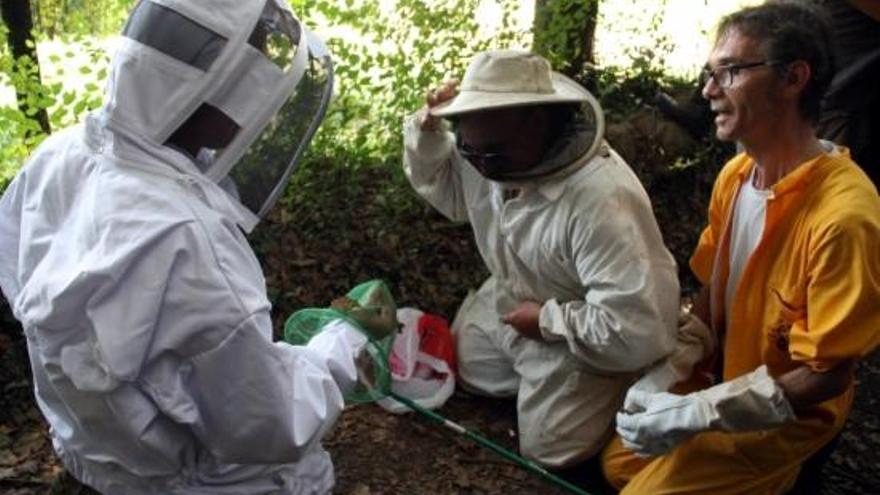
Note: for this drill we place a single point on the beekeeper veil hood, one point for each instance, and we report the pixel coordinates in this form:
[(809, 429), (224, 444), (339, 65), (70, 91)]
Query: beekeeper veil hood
[(250, 59), (514, 78)]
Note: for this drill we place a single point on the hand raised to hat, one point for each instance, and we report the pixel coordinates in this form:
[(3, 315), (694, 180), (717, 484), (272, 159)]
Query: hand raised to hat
[(524, 319), (441, 94)]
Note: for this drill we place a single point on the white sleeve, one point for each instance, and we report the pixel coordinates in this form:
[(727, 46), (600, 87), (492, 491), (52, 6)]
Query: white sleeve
[(694, 342), (627, 319), (10, 237), (434, 169), (262, 402)]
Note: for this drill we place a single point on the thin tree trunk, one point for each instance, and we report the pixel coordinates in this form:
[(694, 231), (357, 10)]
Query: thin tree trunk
[(65, 11), (18, 18), (38, 14), (565, 31)]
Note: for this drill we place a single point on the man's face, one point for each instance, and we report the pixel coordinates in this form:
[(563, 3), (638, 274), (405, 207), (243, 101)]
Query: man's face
[(503, 141), (746, 111), (216, 129)]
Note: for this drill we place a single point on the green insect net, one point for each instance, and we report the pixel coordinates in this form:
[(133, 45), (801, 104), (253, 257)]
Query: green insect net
[(368, 307)]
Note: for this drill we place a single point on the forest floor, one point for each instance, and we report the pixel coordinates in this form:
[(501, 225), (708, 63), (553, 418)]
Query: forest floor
[(345, 227)]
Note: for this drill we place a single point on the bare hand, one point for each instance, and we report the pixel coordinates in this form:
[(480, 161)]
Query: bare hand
[(524, 319), (445, 92)]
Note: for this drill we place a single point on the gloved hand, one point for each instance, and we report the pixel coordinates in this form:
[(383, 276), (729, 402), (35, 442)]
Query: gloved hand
[(378, 320), (694, 342), (654, 423)]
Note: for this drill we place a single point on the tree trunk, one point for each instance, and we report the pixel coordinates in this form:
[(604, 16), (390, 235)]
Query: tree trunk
[(18, 18), (564, 32)]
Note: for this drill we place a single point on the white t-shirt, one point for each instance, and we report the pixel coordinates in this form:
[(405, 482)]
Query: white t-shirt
[(746, 230), (748, 227)]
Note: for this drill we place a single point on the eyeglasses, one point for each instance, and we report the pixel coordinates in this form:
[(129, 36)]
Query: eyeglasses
[(723, 75), (480, 158)]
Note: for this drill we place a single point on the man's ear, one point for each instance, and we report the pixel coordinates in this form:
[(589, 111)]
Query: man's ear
[(798, 76)]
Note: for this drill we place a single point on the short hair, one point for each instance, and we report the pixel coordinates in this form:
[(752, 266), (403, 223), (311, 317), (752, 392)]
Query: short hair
[(789, 31)]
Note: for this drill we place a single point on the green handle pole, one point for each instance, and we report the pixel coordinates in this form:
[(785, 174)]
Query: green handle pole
[(507, 454)]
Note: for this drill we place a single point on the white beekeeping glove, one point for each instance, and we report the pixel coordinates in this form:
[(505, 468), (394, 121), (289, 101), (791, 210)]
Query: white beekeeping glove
[(693, 343), (654, 423)]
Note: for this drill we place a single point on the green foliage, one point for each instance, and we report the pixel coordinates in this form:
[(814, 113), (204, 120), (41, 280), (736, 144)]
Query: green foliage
[(81, 65), (383, 68), (79, 17), (66, 105), (623, 90), (386, 58), (399, 54), (20, 132), (561, 27)]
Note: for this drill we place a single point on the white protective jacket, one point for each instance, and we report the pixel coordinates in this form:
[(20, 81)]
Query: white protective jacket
[(148, 323), (583, 242)]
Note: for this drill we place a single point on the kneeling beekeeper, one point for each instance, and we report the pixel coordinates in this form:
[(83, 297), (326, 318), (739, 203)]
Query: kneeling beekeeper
[(583, 294), (145, 309)]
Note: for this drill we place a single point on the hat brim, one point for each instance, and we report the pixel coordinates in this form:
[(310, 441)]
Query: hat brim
[(565, 91)]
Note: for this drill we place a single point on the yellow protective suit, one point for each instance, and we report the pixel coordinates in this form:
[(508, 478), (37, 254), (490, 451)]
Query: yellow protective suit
[(808, 296)]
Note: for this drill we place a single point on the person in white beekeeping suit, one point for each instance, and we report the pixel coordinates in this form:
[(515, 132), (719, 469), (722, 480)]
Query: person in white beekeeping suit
[(144, 307), (583, 294)]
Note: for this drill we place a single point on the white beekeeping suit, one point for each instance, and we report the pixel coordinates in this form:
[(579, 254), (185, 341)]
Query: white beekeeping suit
[(144, 307), (574, 233)]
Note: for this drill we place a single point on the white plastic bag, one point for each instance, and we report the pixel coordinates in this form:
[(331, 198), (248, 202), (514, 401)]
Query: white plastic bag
[(422, 361)]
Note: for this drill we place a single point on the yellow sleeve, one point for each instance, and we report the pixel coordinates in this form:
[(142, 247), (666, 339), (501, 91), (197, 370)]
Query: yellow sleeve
[(843, 295), (704, 254)]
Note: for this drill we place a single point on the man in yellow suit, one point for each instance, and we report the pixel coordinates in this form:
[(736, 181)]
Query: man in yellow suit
[(790, 266)]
